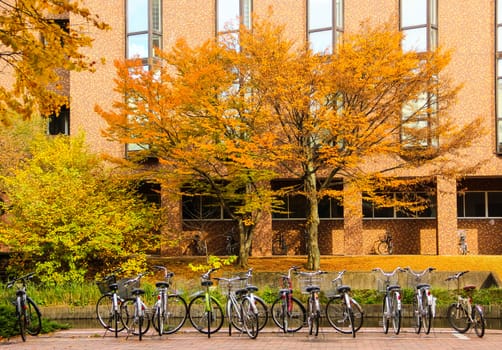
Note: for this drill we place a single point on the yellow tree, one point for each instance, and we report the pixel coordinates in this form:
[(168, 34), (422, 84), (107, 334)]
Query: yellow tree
[(366, 110), (36, 45), (210, 135)]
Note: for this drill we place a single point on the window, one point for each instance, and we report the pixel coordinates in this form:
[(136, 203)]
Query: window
[(417, 122), (60, 123), (201, 207), (499, 74), (230, 14), (419, 23), (144, 29), (324, 24), (372, 211), (479, 204)]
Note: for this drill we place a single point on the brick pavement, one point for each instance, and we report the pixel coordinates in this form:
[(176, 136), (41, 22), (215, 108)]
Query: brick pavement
[(271, 339)]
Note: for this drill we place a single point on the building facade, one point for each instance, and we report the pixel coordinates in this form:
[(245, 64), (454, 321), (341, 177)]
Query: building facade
[(472, 29)]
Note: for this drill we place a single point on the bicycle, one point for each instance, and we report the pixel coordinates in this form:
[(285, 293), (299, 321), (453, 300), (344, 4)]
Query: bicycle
[(139, 318), (462, 314), (204, 310), (310, 284), (384, 245), (261, 306), (288, 313), (391, 301), (170, 309), (424, 303), (462, 242), (108, 307), (29, 317), (241, 311), (342, 311), (279, 245)]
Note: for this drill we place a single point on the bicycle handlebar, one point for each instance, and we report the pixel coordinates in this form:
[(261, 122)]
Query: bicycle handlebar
[(419, 274), (339, 277), (456, 276), (310, 273), (135, 279), (207, 275), (388, 274), (23, 278), (167, 274)]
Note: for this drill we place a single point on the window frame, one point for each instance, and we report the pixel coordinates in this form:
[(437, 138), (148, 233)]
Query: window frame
[(336, 28), (430, 25)]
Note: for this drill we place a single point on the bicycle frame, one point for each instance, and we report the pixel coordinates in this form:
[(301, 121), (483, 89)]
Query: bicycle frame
[(314, 306), (392, 301)]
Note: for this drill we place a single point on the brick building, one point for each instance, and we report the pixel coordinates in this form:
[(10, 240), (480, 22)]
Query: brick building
[(470, 28)]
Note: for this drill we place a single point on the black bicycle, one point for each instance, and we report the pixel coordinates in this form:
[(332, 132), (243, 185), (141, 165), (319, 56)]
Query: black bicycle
[(28, 314)]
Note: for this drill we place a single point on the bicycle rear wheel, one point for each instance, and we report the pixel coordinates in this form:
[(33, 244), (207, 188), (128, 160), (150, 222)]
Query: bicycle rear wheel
[(417, 315), (207, 322), (262, 312), (174, 318), (458, 318), (383, 248), (293, 319), (385, 314), (396, 314), (478, 321), (33, 317)]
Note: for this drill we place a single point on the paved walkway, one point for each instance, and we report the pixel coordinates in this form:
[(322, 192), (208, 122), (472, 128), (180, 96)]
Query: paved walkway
[(271, 339)]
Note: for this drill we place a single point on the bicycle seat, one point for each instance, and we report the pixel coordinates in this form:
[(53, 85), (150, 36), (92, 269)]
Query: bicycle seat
[(311, 289), (393, 287), (284, 290), (113, 286), (343, 289), (469, 288), (137, 291), (423, 285), (162, 285), (252, 289), (241, 291), (207, 283)]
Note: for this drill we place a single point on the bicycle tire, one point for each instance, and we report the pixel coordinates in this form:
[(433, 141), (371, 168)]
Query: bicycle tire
[(358, 314), (262, 308), (383, 248), (338, 315), (478, 321), (21, 319), (427, 318), (250, 319), (458, 318), (107, 317), (417, 316), (33, 317), (234, 316), (294, 320), (385, 315), (396, 314), (205, 322), (141, 322), (312, 317), (175, 318)]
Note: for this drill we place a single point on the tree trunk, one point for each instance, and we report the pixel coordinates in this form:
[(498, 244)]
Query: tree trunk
[(312, 224), (245, 241)]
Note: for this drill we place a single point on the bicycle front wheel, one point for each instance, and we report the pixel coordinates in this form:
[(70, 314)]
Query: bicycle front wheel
[(33, 317), (478, 321), (288, 319), (205, 321), (21, 319), (262, 312), (107, 316), (427, 318), (458, 318), (417, 315), (313, 317), (383, 248), (386, 314), (339, 316), (173, 319)]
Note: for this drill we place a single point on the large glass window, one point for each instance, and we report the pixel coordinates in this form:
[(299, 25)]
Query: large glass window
[(418, 22), (499, 74), (230, 14), (325, 24), (479, 204), (373, 211), (144, 28)]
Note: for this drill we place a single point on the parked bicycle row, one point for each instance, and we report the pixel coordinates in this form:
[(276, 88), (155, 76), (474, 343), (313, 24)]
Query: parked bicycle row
[(121, 307)]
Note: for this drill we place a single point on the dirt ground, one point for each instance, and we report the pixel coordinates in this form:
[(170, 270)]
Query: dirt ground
[(351, 263)]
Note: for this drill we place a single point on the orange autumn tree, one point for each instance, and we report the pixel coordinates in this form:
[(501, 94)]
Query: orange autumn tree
[(362, 115), (36, 47), (209, 134)]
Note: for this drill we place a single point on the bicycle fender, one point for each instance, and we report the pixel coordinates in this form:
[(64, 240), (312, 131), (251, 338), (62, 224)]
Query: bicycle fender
[(196, 294), (479, 309), (398, 300)]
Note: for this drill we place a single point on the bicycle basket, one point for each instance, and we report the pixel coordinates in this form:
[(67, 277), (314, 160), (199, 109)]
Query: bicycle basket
[(309, 281), (233, 285), (125, 291), (412, 281), (103, 287)]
